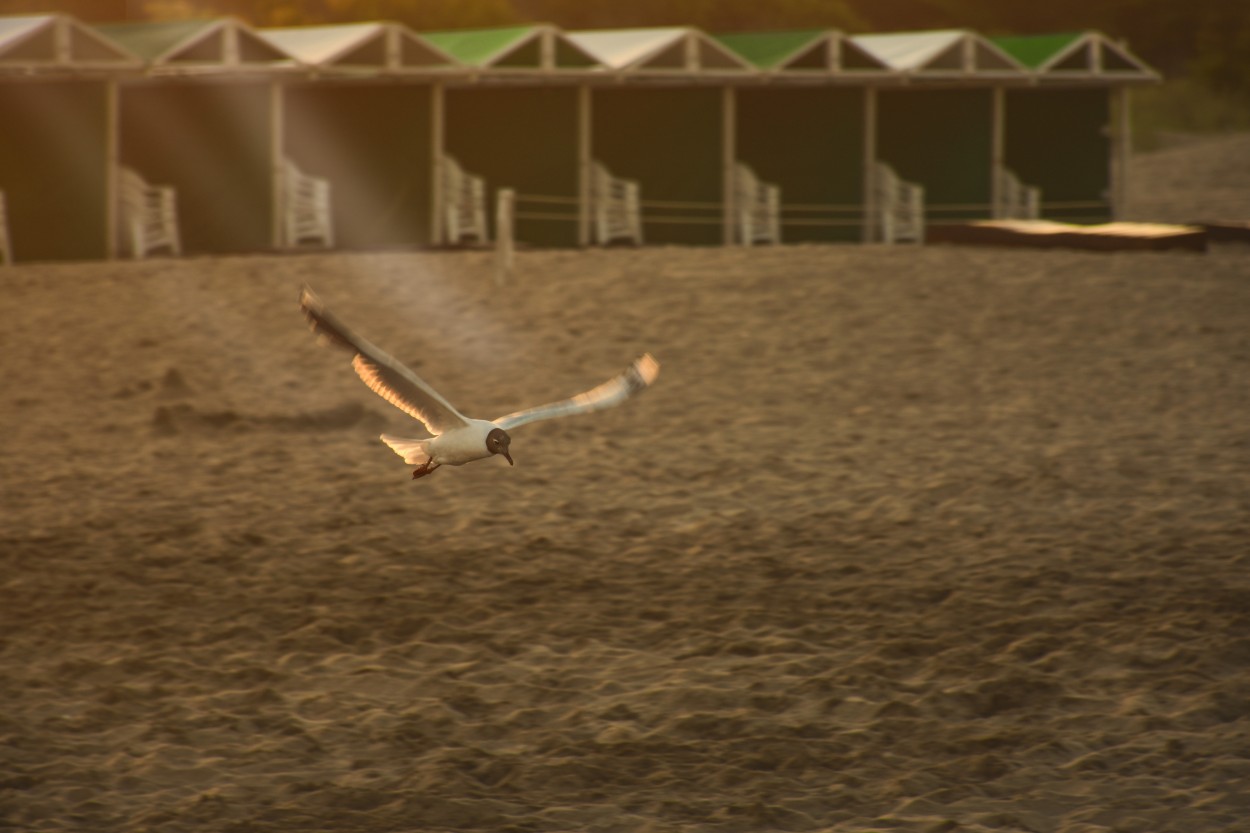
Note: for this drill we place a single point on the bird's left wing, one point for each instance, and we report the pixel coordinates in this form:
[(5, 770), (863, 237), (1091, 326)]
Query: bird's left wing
[(385, 375), (616, 390)]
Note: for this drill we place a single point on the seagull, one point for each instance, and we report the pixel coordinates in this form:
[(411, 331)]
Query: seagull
[(456, 439)]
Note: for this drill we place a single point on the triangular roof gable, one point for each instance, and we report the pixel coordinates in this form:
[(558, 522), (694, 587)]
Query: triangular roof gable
[(660, 49), (201, 44), (31, 43), (1089, 54), (378, 46), (1034, 51), (479, 47), (539, 47), (939, 53), (802, 51)]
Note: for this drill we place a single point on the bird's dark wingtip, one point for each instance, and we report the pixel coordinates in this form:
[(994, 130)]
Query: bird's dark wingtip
[(324, 325)]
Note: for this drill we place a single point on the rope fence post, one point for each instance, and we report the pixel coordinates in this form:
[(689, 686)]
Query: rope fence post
[(505, 213)]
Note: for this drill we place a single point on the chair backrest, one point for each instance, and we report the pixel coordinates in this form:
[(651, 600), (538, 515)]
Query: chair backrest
[(464, 204), (1016, 201), (900, 206), (149, 215), (758, 207), (307, 210), (616, 207)]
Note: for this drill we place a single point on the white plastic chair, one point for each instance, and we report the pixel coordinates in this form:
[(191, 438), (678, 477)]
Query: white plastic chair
[(149, 215), (307, 210), (1016, 201), (900, 206), (616, 207), (464, 204), (758, 208)]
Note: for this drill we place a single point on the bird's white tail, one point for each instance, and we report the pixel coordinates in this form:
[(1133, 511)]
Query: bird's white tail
[(415, 452)]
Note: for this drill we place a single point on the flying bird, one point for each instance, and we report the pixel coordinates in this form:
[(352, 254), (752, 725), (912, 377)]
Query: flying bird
[(456, 439)]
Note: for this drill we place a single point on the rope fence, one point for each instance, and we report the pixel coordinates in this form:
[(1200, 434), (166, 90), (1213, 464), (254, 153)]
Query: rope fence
[(538, 207)]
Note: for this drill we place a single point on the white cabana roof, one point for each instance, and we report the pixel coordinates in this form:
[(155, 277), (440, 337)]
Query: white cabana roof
[(199, 46), (383, 46), (665, 49), (34, 44), (941, 53)]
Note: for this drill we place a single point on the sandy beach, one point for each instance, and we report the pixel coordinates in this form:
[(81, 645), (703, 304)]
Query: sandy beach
[(904, 538)]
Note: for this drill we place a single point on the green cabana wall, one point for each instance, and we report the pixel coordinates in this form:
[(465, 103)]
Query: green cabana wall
[(53, 168), (810, 142), (211, 140), (942, 139), (524, 138), (374, 143), (1058, 139), (671, 141)]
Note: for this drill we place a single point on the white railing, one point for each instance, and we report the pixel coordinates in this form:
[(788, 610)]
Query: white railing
[(1015, 200), (758, 208), (307, 214), (6, 247), (615, 206), (149, 215), (900, 206), (464, 204)]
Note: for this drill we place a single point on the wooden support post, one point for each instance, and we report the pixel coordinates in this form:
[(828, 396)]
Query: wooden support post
[(869, 229), (112, 159), (436, 164), (585, 153), (729, 158), (998, 148)]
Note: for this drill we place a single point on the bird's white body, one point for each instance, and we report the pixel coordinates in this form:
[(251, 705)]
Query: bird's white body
[(457, 439), (454, 448)]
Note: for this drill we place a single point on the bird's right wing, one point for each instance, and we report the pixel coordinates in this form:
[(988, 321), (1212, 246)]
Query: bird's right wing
[(616, 390), (384, 374)]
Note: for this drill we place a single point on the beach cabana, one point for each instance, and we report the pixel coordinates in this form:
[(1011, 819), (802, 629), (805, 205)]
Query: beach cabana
[(804, 126), (57, 144), (669, 125), (366, 118), (938, 129), (1068, 134), (519, 121), (202, 121)]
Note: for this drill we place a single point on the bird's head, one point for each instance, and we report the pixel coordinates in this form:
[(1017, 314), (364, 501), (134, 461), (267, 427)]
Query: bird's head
[(497, 442)]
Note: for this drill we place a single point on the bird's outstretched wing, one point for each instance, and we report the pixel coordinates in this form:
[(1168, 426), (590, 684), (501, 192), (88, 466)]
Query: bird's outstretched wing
[(384, 374), (616, 390)]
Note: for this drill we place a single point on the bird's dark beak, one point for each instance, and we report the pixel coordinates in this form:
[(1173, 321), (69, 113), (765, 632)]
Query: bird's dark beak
[(508, 457)]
